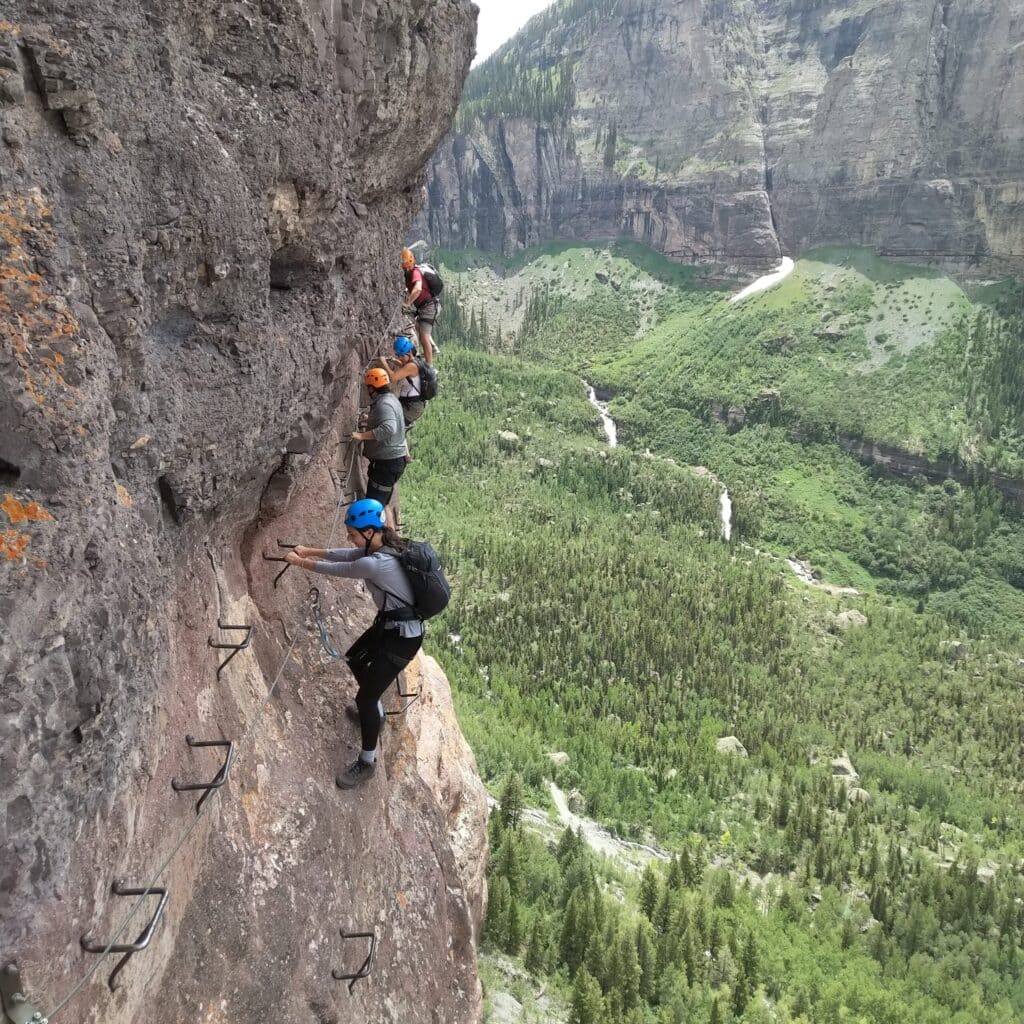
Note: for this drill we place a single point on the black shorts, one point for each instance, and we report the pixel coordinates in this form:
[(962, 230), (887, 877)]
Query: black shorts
[(382, 476)]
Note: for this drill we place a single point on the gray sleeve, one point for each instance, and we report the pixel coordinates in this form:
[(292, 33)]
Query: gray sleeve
[(344, 554), (356, 569)]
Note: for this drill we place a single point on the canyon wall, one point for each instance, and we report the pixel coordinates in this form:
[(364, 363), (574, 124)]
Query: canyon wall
[(733, 130), (200, 211)]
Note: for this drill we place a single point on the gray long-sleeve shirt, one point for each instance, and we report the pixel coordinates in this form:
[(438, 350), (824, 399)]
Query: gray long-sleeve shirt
[(387, 424), (385, 579)]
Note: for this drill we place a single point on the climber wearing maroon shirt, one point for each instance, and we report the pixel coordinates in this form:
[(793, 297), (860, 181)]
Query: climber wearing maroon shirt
[(419, 297)]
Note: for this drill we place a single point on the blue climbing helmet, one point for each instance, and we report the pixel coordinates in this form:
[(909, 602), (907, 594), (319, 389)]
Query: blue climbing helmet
[(403, 346), (365, 512)]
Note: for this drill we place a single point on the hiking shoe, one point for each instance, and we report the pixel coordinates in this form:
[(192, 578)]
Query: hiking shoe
[(352, 714), (361, 771)]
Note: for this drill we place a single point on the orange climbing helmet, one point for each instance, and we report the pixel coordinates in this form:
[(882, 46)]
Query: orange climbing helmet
[(408, 260), (377, 378)]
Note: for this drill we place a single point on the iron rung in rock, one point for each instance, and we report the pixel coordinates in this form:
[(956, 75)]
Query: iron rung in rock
[(367, 965), (129, 949), (233, 648), (218, 780)]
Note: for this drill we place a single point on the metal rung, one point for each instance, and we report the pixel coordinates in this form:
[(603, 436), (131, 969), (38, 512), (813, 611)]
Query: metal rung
[(367, 966), (129, 949), (218, 780), (15, 1003), (233, 648), (409, 698), (280, 558)]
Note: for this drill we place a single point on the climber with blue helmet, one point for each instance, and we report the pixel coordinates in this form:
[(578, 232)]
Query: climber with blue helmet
[(384, 649), (404, 370)]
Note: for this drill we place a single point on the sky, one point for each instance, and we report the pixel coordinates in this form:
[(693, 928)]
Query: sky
[(500, 19)]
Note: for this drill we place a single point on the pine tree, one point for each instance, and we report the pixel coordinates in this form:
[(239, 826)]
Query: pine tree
[(587, 1002), (536, 960), (650, 892), (512, 802)]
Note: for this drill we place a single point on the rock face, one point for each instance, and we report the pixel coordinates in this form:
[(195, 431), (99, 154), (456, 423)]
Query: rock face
[(200, 206), (730, 745), (746, 127)]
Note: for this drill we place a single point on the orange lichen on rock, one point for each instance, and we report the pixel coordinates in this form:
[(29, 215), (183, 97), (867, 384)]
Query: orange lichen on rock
[(123, 496), (33, 319), (18, 512), (13, 544)]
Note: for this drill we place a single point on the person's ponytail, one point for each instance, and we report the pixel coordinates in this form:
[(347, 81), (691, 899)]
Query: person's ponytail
[(393, 539)]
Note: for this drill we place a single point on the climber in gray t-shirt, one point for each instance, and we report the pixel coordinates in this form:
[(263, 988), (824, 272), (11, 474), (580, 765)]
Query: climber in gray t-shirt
[(384, 437)]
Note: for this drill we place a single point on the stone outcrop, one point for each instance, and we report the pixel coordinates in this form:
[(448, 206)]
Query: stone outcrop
[(739, 128), (200, 206)]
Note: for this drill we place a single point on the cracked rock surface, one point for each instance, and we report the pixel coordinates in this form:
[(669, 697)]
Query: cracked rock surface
[(200, 211)]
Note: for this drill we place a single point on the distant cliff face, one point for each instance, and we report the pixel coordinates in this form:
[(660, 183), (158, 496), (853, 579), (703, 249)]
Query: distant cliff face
[(742, 127), (200, 211)]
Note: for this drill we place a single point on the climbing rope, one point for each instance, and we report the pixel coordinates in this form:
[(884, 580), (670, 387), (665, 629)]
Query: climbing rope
[(149, 889)]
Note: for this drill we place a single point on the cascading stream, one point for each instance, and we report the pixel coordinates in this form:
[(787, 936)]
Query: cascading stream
[(611, 433), (607, 422)]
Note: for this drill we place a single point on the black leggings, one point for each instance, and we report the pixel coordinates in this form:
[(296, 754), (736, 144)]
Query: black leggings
[(375, 659)]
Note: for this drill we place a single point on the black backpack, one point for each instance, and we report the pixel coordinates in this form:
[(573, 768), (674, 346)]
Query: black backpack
[(428, 380), (432, 278), (430, 590)]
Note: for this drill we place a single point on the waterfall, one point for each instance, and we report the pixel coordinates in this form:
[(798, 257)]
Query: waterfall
[(725, 503), (606, 421), (780, 273)]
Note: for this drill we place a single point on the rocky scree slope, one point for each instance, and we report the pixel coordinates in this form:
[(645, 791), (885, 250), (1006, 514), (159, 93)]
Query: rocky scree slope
[(744, 128), (199, 207)]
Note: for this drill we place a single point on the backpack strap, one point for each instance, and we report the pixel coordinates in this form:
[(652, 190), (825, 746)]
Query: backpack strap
[(405, 613)]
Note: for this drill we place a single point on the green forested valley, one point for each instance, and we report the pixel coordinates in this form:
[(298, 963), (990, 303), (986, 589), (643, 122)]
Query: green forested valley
[(857, 858)]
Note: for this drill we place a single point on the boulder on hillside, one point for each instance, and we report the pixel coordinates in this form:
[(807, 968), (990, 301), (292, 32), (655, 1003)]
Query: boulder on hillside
[(601, 275), (545, 464), (956, 650), (842, 768), (576, 802), (730, 745), (558, 758), (509, 442), (850, 619), (505, 1009)]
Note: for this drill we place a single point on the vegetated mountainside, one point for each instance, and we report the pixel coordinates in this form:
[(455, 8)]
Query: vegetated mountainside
[(199, 212), (808, 886), (865, 416), (743, 127)]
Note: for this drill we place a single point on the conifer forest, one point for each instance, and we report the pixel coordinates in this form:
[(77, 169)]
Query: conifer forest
[(857, 855)]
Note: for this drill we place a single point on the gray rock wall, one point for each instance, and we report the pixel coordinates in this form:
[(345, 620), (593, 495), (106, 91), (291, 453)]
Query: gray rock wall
[(200, 211), (749, 126)]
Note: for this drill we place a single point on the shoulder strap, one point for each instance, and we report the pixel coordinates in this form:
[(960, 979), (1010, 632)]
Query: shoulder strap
[(405, 612)]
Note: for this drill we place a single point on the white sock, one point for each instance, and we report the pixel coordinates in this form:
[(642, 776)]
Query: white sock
[(369, 756)]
